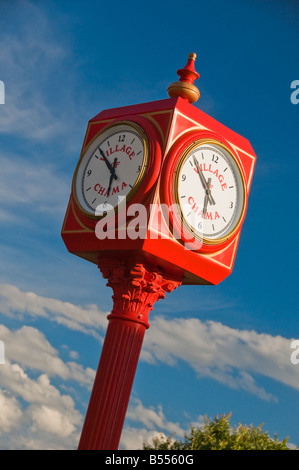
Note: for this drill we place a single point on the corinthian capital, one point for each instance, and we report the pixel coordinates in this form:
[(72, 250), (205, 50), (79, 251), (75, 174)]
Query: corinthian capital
[(136, 287)]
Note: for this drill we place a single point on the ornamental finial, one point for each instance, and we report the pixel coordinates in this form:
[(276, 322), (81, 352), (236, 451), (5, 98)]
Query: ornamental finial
[(185, 87)]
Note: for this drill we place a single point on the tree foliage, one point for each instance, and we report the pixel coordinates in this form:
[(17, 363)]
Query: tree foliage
[(219, 435)]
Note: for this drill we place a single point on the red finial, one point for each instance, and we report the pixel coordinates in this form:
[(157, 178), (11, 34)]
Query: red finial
[(188, 73), (185, 88)]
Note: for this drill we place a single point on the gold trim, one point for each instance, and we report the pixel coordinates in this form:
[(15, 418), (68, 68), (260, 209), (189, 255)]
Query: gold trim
[(197, 127), (184, 156), (253, 158), (90, 124), (217, 253), (150, 117), (141, 174), (84, 228)]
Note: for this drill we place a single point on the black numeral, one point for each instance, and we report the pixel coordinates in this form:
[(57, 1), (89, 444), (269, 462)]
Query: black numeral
[(215, 158), (121, 138)]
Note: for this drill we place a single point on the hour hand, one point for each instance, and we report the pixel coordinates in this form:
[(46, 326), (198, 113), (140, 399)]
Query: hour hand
[(111, 169), (204, 183), (111, 176)]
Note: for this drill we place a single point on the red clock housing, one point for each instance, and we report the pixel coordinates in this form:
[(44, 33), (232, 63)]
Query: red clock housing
[(170, 126)]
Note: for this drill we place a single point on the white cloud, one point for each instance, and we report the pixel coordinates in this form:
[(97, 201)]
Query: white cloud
[(45, 410), (133, 438), (28, 347), (49, 419), (236, 358), (88, 319), (34, 412), (153, 422), (10, 412), (233, 357), (230, 356), (151, 418)]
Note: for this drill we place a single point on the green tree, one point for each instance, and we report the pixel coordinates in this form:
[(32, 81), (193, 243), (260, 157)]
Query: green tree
[(219, 435)]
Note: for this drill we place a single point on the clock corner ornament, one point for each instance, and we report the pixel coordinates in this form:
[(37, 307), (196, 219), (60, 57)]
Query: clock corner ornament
[(158, 199)]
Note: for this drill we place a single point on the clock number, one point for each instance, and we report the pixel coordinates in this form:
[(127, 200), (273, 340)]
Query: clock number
[(183, 177), (215, 158), (200, 225), (121, 138), (89, 173), (231, 205)]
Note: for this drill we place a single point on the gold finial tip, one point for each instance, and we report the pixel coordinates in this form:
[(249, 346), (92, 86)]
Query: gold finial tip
[(192, 56)]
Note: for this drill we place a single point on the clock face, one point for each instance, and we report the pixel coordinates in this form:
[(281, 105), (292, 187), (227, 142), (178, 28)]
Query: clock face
[(209, 190), (111, 169)]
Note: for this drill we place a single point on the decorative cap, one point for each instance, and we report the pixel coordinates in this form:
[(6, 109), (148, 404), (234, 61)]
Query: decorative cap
[(184, 87)]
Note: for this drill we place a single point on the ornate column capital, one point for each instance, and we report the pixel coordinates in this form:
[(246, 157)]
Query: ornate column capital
[(136, 287)]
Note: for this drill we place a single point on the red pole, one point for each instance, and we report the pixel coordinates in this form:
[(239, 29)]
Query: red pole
[(135, 289)]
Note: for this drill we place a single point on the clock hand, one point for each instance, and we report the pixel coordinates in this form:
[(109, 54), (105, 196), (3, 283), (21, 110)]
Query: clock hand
[(204, 183), (112, 171), (205, 204), (112, 175)]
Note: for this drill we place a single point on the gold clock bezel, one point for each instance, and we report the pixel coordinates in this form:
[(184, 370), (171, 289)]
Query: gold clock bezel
[(185, 154), (137, 128)]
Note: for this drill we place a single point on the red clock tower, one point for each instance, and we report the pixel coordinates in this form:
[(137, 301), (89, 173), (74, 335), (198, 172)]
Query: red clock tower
[(158, 200)]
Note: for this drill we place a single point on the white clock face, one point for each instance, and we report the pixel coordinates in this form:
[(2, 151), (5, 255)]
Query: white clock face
[(111, 168), (209, 189)]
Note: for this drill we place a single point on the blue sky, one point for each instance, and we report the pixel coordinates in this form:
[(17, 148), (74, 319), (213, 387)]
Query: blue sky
[(209, 350)]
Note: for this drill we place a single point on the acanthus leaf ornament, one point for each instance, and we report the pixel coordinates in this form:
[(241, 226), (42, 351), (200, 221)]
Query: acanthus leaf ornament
[(136, 287)]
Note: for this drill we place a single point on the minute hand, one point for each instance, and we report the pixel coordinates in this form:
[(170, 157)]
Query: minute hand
[(111, 176), (111, 169), (205, 184)]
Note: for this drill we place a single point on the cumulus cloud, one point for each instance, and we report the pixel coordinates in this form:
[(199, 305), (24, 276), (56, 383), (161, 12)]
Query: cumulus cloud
[(36, 410), (235, 358), (231, 356), (31, 405), (15, 303), (29, 348), (10, 412), (151, 422), (151, 418)]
